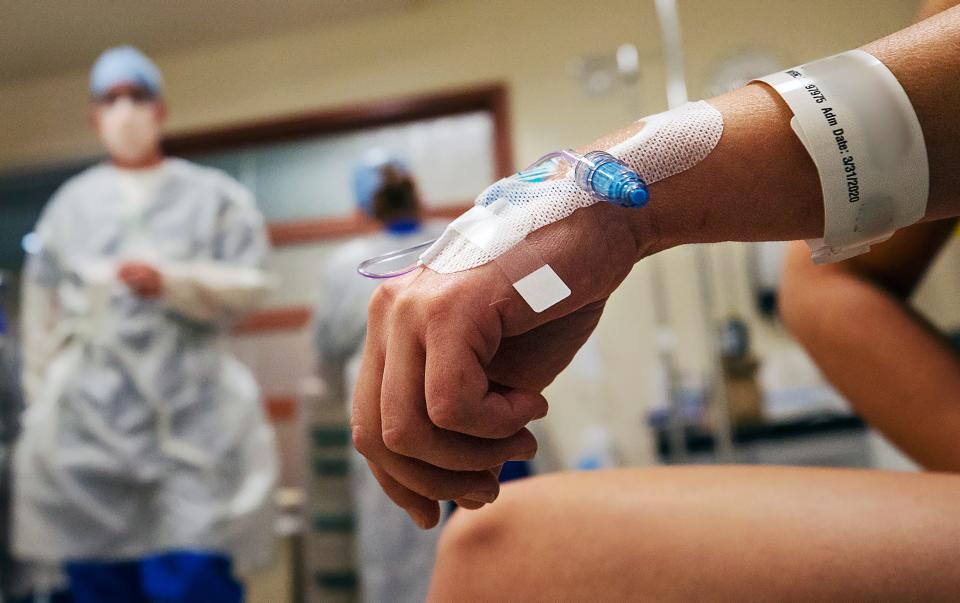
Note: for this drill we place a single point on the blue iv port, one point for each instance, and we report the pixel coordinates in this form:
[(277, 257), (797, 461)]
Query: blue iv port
[(614, 181)]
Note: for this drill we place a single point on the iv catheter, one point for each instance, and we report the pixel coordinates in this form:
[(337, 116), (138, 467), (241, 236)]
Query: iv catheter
[(598, 173)]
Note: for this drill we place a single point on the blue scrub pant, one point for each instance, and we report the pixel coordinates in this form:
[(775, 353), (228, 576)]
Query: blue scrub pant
[(169, 578)]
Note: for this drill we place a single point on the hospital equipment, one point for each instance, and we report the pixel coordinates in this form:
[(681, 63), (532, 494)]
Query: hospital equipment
[(553, 188), (664, 144), (598, 173)]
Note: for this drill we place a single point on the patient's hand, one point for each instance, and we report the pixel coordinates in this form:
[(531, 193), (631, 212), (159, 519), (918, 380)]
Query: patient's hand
[(454, 363)]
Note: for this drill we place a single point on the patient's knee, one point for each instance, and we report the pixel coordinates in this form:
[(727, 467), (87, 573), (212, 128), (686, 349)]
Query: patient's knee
[(472, 545), (475, 532)]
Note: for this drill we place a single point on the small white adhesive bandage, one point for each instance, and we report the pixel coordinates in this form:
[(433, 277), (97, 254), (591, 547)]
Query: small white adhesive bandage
[(542, 288), (858, 125), (535, 281)]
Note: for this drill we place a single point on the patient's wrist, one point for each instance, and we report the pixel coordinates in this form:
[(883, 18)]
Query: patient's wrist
[(757, 184)]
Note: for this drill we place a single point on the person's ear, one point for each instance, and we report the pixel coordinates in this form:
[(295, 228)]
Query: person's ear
[(93, 116)]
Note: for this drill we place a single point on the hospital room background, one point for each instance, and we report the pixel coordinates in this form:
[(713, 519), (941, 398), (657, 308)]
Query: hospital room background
[(689, 364)]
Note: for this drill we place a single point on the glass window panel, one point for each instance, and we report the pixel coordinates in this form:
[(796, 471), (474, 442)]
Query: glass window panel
[(234, 163), (452, 159)]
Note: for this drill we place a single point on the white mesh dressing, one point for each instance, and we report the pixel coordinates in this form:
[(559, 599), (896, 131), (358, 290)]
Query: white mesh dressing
[(667, 144)]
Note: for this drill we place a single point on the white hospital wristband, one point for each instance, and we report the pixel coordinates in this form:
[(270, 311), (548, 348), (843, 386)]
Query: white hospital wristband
[(858, 125)]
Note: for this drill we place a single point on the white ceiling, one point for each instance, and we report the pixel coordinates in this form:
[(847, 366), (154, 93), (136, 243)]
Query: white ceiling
[(42, 37)]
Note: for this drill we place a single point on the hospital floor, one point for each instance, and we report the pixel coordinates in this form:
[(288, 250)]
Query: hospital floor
[(274, 584)]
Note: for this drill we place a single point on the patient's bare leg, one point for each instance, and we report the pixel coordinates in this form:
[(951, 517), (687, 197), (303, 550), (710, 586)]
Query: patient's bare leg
[(708, 533)]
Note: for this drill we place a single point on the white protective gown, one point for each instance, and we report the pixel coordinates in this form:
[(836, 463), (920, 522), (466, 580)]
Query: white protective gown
[(395, 557), (142, 433)]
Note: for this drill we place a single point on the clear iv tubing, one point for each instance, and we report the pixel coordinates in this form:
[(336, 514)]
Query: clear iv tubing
[(598, 173), (365, 267)]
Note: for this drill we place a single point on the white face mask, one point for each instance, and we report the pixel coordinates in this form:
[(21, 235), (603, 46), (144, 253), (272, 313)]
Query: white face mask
[(129, 130)]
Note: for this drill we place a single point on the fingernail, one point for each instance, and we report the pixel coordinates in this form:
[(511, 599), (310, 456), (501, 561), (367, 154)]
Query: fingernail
[(486, 496), (524, 456)]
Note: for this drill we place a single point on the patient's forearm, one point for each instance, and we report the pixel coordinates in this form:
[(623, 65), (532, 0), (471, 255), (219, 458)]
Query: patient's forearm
[(760, 184), (896, 371)]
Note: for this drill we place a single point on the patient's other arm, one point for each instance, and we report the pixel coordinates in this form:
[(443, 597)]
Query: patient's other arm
[(895, 369)]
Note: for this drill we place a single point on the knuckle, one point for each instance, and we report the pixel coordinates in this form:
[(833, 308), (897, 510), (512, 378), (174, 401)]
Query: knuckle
[(438, 307), (398, 439), (362, 441), (444, 411), (407, 301), (399, 431), (382, 298)]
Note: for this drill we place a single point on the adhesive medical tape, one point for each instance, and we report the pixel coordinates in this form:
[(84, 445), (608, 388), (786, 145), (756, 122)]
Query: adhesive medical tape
[(859, 128), (536, 282), (665, 144)]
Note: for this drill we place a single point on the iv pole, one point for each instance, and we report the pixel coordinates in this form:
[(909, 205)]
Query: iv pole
[(669, 20)]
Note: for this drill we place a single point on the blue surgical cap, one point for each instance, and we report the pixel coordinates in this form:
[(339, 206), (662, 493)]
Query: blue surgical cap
[(368, 176), (124, 65)]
